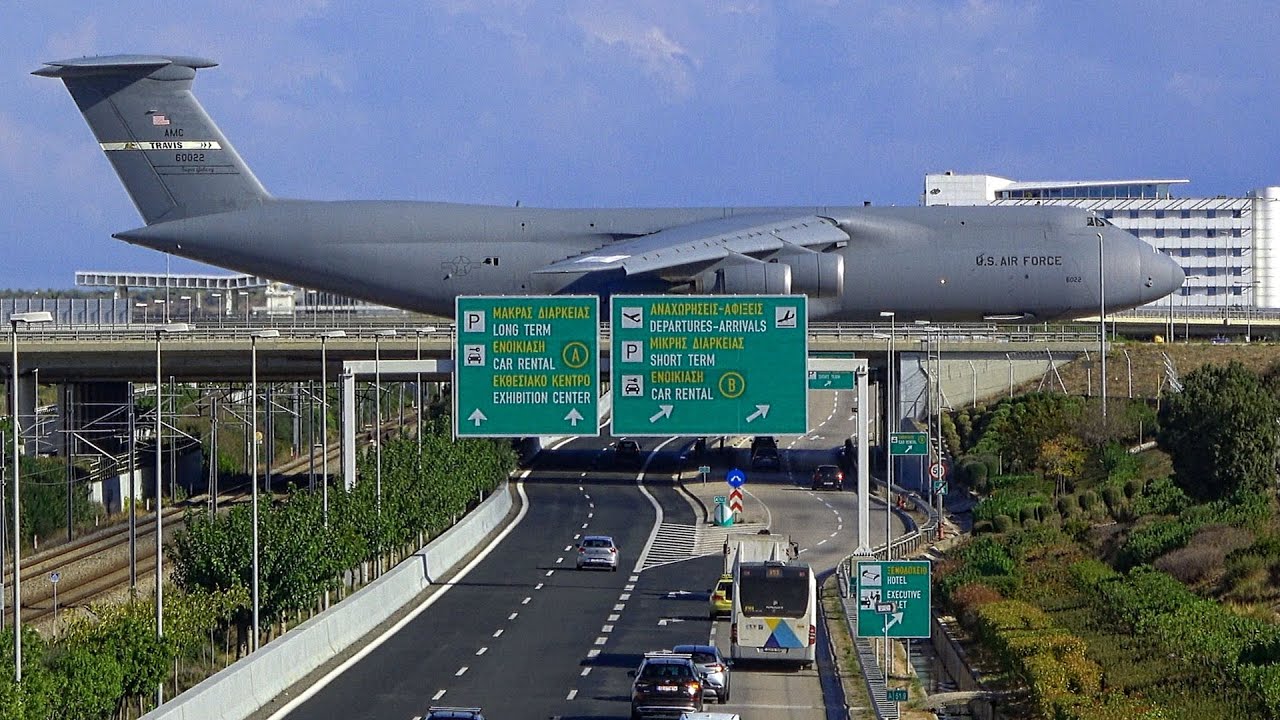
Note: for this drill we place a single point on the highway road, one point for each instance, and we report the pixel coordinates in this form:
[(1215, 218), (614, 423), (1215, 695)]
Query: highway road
[(524, 635)]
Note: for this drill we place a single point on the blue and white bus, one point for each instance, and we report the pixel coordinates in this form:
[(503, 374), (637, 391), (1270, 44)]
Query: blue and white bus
[(775, 613)]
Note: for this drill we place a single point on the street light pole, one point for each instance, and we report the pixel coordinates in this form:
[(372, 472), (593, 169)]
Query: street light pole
[(30, 318), (890, 405), (324, 411), (253, 411), (160, 331), (1102, 322), (377, 421)]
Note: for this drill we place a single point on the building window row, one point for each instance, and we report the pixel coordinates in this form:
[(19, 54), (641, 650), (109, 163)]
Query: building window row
[(1089, 192), (1184, 214)]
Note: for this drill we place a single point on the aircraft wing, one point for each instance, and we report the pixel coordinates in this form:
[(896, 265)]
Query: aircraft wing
[(699, 244)]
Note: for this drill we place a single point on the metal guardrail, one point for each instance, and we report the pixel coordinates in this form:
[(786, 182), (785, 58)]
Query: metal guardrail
[(871, 333)]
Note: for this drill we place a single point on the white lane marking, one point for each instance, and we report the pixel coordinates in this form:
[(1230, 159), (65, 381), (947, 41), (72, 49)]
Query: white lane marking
[(497, 633), (482, 651), (606, 629), (614, 618), (592, 654), (820, 542), (580, 487), (549, 572), (584, 526), (577, 536), (439, 694), (461, 671), (629, 586), (590, 515), (624, 597), (657, 508), (834, 534), (513, 616), (525, 601), (559, 560), (585, 672), (839, 527), (567, 548), (601, 640), (409, 617), (538, 586), (588, 495), (619, 607), (591, 505), (572, 694)]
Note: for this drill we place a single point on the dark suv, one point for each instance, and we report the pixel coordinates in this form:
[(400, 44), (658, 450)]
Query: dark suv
[(666, 684), (453, 713), (825, 476)]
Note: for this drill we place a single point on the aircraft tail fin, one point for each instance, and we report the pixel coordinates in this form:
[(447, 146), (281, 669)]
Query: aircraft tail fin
[(172, 158)]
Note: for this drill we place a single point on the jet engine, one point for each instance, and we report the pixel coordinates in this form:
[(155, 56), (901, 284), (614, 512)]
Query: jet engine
[(818, 275), (746, 276)]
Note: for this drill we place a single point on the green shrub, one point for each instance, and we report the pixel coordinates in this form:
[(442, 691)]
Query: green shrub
[(1002, 523), (1088, 499), (1112, 495), (1133, 487), (1067, 505), (1161, 497)]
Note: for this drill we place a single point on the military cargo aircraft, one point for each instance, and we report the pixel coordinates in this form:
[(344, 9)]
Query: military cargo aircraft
[(201, 201)]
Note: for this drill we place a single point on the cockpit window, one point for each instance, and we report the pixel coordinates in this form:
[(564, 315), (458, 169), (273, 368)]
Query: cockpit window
[(1095, 221)]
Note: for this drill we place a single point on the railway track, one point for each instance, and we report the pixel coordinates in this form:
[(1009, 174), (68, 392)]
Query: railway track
[(96, 567)]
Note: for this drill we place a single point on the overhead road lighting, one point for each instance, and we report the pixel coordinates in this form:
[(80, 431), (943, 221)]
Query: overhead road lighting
[(29, 318)]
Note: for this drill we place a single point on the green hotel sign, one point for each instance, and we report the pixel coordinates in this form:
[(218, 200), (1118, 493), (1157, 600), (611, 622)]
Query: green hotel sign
[(526, 366), (709, 365), (893, 598)]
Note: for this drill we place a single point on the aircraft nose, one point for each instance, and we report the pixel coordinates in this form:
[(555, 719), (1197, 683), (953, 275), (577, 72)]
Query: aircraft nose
[(1161, 275)]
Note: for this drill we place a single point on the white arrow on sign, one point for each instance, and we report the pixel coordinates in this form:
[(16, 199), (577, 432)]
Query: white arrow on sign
[(892, 620), (669, 621), (573, 417), (477, 417), (663, 411), (762, 411)]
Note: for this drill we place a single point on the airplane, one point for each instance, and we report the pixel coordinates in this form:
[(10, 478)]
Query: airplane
[(200, 200)]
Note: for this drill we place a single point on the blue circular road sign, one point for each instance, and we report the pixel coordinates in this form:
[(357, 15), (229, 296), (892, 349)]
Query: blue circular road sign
[(736, 478)]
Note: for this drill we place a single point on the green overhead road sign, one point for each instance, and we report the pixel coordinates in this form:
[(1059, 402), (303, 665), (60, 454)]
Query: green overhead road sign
[(909, 443), (830, 380), (893, 598), (709, 365), (527, 366)]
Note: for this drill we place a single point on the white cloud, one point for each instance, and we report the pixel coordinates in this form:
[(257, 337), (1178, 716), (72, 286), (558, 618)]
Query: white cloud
[(664, 59)]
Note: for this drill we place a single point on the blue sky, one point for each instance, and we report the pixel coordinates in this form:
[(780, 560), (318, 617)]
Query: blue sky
[(663, 103)]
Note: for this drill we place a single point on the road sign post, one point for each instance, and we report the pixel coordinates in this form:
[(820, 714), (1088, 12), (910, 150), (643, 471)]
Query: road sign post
[(527, 366), (709, 365), (893, 598), (909, 443), (831, 380)]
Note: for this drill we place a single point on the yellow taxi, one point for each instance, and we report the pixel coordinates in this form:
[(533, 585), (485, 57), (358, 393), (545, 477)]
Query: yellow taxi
[(722, 596)]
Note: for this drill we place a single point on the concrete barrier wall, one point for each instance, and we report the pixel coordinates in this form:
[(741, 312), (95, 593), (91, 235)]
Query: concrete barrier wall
[(241, 689)]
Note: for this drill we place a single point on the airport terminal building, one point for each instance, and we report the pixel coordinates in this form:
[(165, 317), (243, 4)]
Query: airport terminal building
[(1228, 246)]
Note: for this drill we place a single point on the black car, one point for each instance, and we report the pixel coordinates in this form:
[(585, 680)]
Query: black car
[(766, 458), (666, 684), (828, 476), (453, 713), (763, 441), (626, 451)]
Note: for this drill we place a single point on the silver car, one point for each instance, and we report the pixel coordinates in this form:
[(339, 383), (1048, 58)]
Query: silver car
[(598, 551), (712, 666)]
